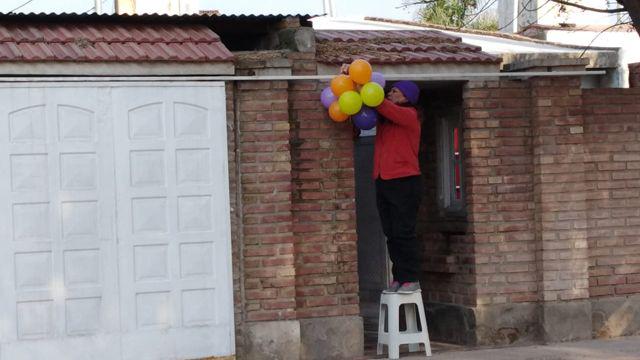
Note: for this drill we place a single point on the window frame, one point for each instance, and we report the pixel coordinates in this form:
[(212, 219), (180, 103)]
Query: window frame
[(451, 193)]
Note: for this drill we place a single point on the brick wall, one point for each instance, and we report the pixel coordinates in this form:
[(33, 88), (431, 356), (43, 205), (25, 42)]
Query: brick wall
[(499, 183), (292, 197), (612, 137), (447, 276), (634, 75), (323, 210), (552, 186), (265, 178), (236, 246), (560, 191), (553, 190)]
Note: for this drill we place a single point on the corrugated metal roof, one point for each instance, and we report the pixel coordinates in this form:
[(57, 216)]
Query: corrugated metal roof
[(146, 37), (396, 46), (109, 41), (137, 18)]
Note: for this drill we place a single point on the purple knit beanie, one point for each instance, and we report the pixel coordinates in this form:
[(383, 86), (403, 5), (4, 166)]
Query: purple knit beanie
[(409, 89)]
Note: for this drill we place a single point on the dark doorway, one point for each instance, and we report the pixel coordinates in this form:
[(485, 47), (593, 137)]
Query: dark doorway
[(373, 264), (440, 106)]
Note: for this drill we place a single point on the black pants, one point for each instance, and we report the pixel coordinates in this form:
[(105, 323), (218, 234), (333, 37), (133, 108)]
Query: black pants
[(398, 201)]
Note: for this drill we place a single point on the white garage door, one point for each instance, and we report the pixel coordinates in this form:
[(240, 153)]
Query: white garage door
[(114, 212)]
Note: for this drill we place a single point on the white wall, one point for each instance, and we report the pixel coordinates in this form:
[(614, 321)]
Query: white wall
[(628, 42), (171, 7), (549, 13)]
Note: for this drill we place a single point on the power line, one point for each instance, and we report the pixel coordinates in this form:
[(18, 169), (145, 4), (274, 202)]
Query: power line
[(24, 4), (483, 9), (94, 7), (600, 33), (524, 7)]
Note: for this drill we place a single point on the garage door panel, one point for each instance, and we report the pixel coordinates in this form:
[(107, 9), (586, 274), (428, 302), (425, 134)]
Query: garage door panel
[(64, 245), (104, 347), (57, 214), (168, 199), (82, 130)]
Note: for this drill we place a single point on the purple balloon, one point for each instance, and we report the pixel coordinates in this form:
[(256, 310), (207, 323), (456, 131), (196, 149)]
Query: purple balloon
[(365, 119), (327, 97), (377, 77)]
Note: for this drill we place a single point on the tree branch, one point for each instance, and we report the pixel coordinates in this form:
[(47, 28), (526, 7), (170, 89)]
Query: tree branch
[(418, 2), (600, 33), (572, 4), (633, 9)]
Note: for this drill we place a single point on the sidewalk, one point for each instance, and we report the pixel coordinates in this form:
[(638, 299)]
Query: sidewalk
[(625, 348)]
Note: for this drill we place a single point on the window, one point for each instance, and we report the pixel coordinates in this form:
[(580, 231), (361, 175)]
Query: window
[(450, 162)]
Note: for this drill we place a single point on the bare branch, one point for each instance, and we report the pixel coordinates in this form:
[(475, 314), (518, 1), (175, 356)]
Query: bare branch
[(483, 9), (418, 2), (524, 7), (572, 4), (633, 9), (600, 33)]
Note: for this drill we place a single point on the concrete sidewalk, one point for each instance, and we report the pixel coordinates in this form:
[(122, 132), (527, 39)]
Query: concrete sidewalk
[(625, 348)]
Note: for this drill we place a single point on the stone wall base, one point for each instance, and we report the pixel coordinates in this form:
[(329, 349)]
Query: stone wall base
[(272, 340), (534, 323), (506, 324), (503, 324), (566, 320), (451, 323), (340, 337), (615, 316)]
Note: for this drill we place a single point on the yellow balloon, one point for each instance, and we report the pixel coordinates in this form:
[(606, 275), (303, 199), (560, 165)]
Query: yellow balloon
[(372, 94), (350, 102)]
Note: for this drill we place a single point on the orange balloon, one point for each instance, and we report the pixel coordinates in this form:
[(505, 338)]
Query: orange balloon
[(360, 71), (335, 114), (340, 84)]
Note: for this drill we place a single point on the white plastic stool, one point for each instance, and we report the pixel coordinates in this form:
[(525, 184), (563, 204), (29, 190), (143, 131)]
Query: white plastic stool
[(394, 337)]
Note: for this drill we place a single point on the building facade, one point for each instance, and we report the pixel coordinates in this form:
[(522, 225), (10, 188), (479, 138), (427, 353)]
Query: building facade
[(217, 184)]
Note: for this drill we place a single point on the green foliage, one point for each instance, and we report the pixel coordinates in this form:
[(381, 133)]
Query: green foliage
[(486, 22), (472, 14), (451, 13)]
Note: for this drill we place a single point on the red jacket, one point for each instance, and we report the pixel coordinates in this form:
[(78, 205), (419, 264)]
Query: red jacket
[(397, 142)]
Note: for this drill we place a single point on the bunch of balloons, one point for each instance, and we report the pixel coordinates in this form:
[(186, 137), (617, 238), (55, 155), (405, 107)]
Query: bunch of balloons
[(355, 95)]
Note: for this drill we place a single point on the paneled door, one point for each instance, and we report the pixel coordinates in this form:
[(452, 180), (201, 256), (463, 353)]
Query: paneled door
[(114, 215)]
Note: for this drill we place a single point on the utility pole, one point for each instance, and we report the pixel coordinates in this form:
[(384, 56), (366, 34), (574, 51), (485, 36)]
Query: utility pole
[(125, 6), (328, 8), (98, 6)]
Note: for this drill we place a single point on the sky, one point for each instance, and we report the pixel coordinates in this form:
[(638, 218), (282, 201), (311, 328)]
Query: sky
[(343, 8)]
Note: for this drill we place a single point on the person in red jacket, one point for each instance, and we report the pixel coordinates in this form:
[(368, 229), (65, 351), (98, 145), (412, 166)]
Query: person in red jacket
[(396, 171)]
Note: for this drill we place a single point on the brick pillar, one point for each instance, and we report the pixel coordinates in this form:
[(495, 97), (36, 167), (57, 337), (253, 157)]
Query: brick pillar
[(634, 75), (561, 211), (297, 209), (500, 206), (270, 327), (324, 227), (266, 194)]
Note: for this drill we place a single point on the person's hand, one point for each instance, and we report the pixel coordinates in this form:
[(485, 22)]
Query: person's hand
[(355, 132), (344, 69)]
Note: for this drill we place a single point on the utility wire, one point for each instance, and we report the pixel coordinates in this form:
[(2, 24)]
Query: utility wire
[(524, 7), (94, 7), (18, 8), (600, 33), (483, 9)]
